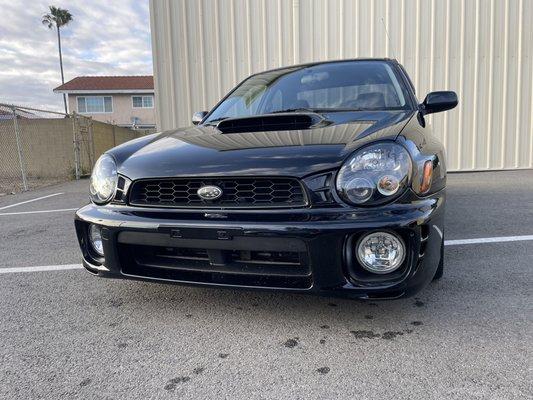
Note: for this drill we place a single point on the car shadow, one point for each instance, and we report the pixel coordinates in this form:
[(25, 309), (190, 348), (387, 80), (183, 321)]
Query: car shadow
[(442, 304)]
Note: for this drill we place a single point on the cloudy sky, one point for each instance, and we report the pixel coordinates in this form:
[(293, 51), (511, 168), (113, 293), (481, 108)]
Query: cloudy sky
[(105, 38)]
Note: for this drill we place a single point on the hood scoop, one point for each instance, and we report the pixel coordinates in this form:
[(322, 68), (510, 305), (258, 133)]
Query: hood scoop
[(271, 122)]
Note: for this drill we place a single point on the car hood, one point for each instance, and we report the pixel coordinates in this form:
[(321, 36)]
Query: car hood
[(205, 151)]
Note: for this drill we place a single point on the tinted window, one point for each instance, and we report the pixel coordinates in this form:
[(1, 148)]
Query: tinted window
[(360, 85)]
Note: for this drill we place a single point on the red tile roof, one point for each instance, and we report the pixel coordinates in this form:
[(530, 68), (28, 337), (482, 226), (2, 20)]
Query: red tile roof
[(143, 82)]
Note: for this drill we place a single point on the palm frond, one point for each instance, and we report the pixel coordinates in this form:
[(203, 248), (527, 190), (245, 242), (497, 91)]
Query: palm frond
[(60, 16), (48, 21)]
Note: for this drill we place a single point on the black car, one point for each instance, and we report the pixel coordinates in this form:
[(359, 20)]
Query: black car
[(318, 178)]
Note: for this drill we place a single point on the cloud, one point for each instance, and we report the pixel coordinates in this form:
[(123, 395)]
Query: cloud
[(104, 38)]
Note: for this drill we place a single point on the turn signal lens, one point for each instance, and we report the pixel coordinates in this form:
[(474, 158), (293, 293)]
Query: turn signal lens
[(427, 177)]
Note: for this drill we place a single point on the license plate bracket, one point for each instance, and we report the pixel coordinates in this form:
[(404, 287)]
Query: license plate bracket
[(218, 233)]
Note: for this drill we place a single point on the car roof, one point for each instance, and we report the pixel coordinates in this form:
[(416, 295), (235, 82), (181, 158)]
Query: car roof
[(313, 63)]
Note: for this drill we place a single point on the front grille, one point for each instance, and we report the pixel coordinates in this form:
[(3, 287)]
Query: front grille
[(236, 193)]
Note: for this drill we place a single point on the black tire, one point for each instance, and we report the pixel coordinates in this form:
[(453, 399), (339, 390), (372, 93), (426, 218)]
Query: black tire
[(440, 269)]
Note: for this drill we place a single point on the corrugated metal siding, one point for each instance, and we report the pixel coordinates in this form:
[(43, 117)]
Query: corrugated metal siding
[(482, 49)]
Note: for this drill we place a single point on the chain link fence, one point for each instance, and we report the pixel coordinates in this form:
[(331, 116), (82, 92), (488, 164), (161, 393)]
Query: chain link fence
[(43, 147)]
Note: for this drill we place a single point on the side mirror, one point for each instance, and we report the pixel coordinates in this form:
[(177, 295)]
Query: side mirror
[(438, 101), (198, 117)]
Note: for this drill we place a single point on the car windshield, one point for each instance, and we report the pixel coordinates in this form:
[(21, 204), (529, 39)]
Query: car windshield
[(328, 87)]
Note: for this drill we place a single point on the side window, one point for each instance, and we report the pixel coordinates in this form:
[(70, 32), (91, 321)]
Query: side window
[(95, 104), (108, 104), (137, 101), (148, 101), (82, 107), (142, 101)]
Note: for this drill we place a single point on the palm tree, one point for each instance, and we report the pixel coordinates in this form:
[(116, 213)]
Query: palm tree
[(58, 17)]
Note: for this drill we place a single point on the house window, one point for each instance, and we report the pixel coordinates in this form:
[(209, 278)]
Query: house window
[(143, 101), (95, 104)]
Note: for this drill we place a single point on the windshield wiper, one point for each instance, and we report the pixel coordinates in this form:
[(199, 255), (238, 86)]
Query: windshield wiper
[(214, 121), (317, 110), (291, 110)]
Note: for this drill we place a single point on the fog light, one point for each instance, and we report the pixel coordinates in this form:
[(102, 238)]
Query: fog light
[(380, 252), (95, 239)]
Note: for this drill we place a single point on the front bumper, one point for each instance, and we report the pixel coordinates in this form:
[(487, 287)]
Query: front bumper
[(300, 250)]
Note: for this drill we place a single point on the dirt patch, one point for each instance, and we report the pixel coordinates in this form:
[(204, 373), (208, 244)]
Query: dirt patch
[(172, 383), (291, 343), (365, 334)]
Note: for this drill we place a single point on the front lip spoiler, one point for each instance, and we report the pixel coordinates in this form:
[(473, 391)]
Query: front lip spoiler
[(333, 292), (221, 285), (93, 268)]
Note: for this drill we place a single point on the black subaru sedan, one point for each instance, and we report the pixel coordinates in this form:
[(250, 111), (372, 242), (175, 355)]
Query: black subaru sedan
[(319, 178)]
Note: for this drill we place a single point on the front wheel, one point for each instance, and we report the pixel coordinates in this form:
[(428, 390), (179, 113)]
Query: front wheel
[(440, 269)]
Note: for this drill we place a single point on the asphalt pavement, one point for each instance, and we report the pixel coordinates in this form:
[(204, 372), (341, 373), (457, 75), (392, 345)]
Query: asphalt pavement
[(66, 334)]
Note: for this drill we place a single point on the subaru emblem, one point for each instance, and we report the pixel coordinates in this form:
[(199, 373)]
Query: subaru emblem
[(209, 192)]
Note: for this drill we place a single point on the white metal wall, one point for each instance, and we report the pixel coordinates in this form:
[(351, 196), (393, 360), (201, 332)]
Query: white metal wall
[(482, 49)]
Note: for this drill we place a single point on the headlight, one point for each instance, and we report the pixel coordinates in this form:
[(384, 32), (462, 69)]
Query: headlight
[(374, 174), (103, 179)]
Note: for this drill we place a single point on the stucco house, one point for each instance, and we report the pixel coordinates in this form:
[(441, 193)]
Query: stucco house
[(120, 100)]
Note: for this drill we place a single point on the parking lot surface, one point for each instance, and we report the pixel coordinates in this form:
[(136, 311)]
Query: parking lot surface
[(67, 334)]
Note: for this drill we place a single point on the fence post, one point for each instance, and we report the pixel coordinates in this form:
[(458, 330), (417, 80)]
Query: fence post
[(19, 148), (91, 142), (77, 161)]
